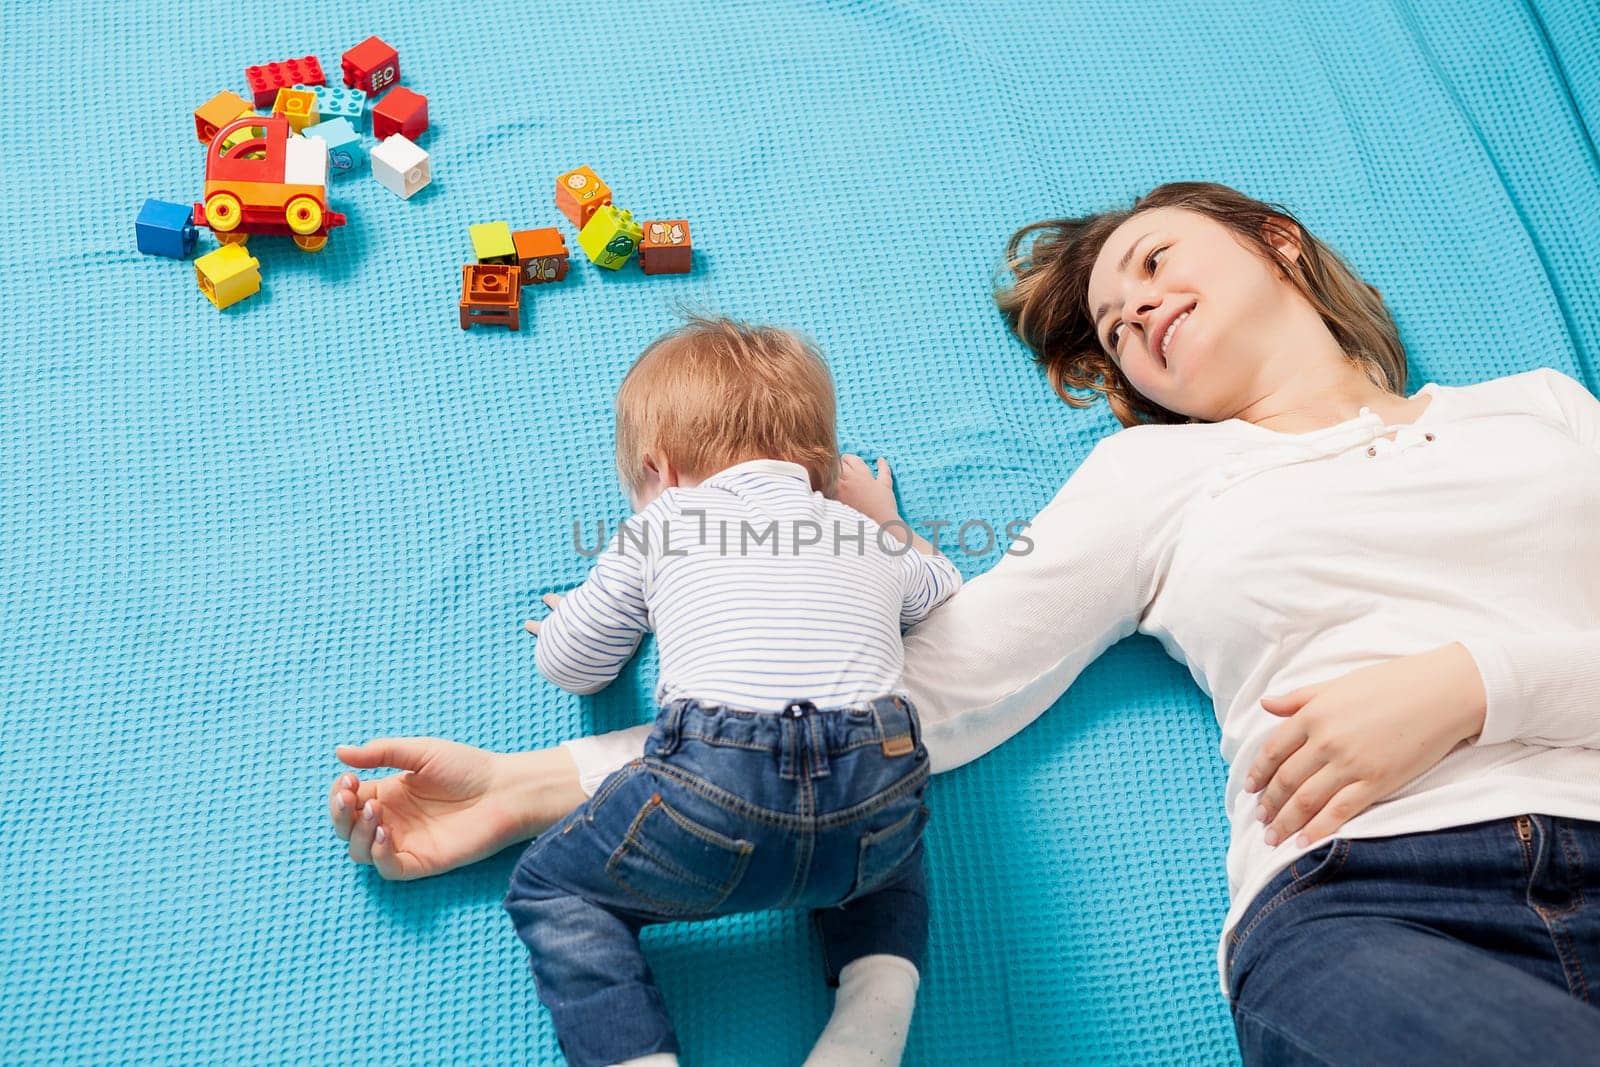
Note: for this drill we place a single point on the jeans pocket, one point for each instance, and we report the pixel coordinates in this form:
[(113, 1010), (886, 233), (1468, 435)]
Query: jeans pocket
[(881, 852), (1304, 874), (675, 865)]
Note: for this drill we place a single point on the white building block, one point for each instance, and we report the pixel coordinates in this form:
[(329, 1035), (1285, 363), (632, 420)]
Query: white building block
[(401, 166)]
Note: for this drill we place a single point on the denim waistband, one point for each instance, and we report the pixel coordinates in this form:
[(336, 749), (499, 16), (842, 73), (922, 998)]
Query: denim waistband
[(804, 734)]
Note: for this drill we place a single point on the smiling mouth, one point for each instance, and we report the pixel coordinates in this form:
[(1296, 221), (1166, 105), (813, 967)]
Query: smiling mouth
[(1165, 342)]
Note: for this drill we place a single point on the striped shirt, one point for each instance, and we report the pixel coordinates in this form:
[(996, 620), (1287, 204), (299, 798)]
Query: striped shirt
[(759, 590)]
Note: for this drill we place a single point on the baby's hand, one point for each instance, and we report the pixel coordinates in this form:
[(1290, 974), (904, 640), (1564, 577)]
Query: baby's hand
[(873, 497), (551, 600)]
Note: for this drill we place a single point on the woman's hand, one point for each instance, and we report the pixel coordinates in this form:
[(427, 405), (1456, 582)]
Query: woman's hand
[(454, 805), (873, 497), (1346, 744)]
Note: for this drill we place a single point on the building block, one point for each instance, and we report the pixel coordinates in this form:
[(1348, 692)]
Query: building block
[(217, 112), (299, 106), (345, 154), (337, 102), (401, 166), (265, 81), (580, 193), (371, 66), (542, 255), (228, 275), (609, 237), (666, 248), (400, 111), (490, 293), (491, 243), (164, 229)]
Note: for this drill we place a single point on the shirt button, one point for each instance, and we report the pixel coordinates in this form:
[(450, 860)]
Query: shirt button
[(1427, 437), (1373, 451)]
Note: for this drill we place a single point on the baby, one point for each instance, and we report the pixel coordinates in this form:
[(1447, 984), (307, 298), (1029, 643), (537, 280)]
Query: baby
[(784, 768)]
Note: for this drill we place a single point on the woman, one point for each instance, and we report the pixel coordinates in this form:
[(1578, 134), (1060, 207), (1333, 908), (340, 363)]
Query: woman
[(1393, 601)]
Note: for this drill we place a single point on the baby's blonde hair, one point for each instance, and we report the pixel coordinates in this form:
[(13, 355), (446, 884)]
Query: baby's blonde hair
[(715, 392)]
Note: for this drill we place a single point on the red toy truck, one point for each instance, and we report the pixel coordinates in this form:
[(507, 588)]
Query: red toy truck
[(268, 184)]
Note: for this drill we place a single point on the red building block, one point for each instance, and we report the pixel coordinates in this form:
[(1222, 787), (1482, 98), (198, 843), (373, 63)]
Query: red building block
[(542, 255), (266, 81), (665, 248), (490, 292), (371, 66), (401, 111)]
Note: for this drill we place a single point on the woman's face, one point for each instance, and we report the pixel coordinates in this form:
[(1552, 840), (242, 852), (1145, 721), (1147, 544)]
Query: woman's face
[(1244, 318)]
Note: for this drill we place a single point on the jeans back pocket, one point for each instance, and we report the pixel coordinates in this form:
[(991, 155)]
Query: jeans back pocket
[(676, 866), (882, 852)]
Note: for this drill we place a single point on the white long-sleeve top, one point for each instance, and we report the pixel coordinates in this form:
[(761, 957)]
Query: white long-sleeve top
[(1265, 561), (759, 590)]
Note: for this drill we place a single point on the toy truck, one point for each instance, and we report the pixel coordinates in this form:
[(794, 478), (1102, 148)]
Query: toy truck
[(273, 183)]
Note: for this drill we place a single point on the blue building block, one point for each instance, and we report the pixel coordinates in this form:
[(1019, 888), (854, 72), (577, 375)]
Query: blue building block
[(338, 102), (164, 229), (345, 153)]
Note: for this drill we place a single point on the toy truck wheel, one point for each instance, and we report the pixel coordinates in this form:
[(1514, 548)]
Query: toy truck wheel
[(304, 215), (312, 244), (231, 238), (223, 212)]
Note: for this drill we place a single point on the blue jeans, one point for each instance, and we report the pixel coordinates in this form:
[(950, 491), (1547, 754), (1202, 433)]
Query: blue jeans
[(728, 811), (1474, 944)]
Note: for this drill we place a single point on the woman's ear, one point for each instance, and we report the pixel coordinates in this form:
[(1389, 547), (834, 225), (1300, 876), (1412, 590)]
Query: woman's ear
[(1284, 236)]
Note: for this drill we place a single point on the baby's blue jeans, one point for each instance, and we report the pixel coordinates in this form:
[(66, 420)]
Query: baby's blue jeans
[(729, 811), (1475, 944)]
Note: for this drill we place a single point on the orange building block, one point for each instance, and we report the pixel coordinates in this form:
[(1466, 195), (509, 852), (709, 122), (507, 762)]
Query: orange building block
[(665, 248), (491, 293), (580, 193), (542, 255), (217, 112)]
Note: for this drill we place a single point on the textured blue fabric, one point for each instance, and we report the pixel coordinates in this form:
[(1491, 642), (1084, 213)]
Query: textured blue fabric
[(231, 540)]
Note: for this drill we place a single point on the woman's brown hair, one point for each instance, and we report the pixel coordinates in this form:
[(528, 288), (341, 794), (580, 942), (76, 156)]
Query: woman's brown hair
[(1046, 303)]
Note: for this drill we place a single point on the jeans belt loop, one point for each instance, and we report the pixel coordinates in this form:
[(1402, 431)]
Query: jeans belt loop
[(673, 733)]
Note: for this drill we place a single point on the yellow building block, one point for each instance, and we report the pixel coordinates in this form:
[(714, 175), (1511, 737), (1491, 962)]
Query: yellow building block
[(228, 275), (610, 237), (492, 243), (299, 106)]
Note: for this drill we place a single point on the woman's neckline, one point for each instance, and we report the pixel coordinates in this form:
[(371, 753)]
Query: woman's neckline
[(1367, 414)]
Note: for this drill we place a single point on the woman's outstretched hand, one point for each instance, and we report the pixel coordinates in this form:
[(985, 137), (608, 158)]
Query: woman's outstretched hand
[(1346, 744), (451, 806)]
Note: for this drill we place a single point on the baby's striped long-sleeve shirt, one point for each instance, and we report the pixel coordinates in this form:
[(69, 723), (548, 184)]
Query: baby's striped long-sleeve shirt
[(760, 591)]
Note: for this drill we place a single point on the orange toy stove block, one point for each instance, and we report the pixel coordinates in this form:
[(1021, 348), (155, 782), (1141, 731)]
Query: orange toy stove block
[(542, 255), (491, 293), (666, 248), (580, 193)]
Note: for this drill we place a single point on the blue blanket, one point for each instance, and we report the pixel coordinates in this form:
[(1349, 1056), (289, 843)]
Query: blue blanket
[(231, 540)]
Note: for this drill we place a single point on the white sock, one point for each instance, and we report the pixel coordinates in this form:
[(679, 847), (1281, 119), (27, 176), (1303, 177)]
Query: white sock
[(871, 1014), (655, 1059)]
